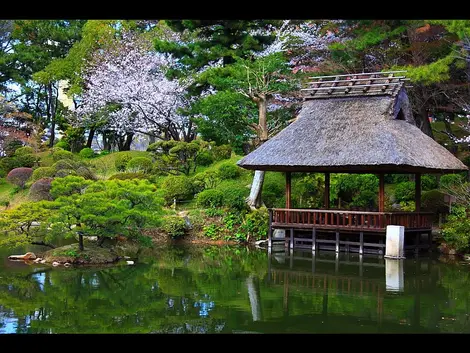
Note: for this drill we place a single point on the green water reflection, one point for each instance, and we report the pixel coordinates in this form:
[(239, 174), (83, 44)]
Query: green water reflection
[(211, 289)]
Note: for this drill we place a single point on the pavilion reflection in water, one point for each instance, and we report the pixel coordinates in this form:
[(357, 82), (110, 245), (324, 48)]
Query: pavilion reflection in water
[(351, 278)]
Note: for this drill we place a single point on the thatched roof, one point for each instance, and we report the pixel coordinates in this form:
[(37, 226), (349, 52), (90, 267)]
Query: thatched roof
[(373, 133)]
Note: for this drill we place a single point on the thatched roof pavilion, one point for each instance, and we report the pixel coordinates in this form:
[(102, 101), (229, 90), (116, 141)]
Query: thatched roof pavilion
[(360, 130), (359, 123)]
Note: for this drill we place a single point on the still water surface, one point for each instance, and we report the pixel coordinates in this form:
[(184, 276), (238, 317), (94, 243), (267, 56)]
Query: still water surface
[(213, 289)]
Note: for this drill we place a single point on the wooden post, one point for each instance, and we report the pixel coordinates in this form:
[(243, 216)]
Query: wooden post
[(381, 193), (288, 190), (417, 192), (327, 191)]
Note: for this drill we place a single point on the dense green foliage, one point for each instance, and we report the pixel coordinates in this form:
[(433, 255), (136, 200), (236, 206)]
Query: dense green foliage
[(175, 226), (139, 164), (210, 198), (87, 153)]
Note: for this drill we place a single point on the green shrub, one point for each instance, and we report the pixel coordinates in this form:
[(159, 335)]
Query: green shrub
[(127, 176), (65, 167), (121, 161), (273, 193), (456, 231), (19, 176), (466, 160), (41, 189), (178, 187), (208, 179), (86, 172), (87, 153), (43, 172), (433, 201), (451, 180), (222, 152), (405, 191), (428, 182), (210, 198), (62, 154), (175, 226), (63, 144), (204, 158), (142, 164), (11, 146), (228, 171), (234, 198), (24, 150), (256, 223)]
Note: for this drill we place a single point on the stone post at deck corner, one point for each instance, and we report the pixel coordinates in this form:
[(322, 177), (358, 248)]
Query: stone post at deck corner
[(394, 245)]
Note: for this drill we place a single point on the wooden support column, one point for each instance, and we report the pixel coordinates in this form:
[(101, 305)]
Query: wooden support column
[(417, 192), (327, 191), (381, 193), (288, 190)]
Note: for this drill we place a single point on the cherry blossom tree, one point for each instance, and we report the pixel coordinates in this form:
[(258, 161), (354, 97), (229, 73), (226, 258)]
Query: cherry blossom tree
[(127, 92)]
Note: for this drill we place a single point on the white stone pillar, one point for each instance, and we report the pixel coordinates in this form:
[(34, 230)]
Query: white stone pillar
[(394, 278), (395, 242)]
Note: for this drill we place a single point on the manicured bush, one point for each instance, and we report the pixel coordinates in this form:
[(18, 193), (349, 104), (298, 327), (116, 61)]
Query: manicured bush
[(273, 193), (210, 198), (175, 226), (10, 146), (204, 158), (65, 167), (127, 176), (222, 152), (405, 191), (43, 172), (63, 144), (234, 198), (62, 154), (41, 189), (19, 176), (121, 161), (177, 187), (24, 150), (86, 172), (87, 153), (228, 171), (142, 164), (433, 201)]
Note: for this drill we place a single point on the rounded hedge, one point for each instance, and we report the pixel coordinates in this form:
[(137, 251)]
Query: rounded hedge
[(234, 198), (204, 158), (62, 154), (43, 172), (40, 190), (228, 171), (87, 153), (63, 144), (121, 161), (210, 198), (143, 164), (177, 187), (19, 176), (24, 150)]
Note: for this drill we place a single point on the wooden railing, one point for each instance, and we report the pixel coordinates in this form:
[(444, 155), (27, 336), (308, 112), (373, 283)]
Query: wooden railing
[(343, 219)]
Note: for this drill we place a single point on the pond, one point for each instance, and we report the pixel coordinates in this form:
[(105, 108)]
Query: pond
[(237, 289)]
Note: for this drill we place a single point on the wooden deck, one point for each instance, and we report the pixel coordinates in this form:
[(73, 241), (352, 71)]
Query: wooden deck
[(347, 222)]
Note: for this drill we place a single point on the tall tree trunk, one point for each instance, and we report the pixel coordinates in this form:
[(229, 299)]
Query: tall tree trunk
[(252, 284), (53, 110), (90, 137), (106, 141), (255, 200), (80, 241), (124, 142)]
